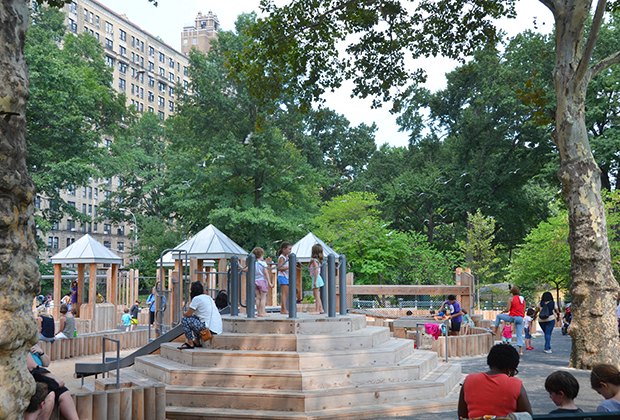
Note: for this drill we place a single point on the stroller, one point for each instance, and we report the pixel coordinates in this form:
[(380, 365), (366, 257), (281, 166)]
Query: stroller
[(568, 316)]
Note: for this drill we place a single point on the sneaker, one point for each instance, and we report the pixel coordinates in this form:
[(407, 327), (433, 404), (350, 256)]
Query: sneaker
[(548, 351), (529, 348)]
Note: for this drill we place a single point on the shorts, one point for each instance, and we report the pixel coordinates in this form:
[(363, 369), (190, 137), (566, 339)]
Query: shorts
[(527, 333), (262, 286), (134, 321), (283, 280), (455, 326), (319, 282)]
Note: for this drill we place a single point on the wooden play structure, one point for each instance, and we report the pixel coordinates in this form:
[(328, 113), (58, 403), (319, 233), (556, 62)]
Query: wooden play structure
[(87, 252)]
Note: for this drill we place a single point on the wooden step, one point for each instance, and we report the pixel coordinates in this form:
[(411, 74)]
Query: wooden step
[(175, 373), (278, 400), (388, 353), (281, 324), (364, 338), (407, 408)]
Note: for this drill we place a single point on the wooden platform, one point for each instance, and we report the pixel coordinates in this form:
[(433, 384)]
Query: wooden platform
[(307, 368)]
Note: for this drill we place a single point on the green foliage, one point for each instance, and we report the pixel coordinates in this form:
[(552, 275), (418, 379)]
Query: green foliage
[(480, 251), (376, 254), (155, 236), (71, 105), (544, 256), (612, 210)]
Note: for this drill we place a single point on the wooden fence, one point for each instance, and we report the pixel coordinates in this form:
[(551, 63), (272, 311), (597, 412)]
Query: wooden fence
[(88, 344)]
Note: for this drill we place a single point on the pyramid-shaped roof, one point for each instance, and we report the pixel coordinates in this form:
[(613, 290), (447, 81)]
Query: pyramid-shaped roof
[(303, 248), (210, 243), (86, 250), (167, 260)]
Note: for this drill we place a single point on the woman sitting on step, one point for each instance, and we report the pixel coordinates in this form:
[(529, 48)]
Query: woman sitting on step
[(496, 392), (201, 314)]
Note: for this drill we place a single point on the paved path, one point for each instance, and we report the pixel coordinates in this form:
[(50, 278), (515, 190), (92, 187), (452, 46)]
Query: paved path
[(534, 367)]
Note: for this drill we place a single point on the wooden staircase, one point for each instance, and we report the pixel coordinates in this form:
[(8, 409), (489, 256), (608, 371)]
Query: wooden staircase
[(312, 367)]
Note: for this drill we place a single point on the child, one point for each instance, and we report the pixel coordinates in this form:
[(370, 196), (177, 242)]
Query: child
[(441, 316), (283, 253), (507, 333), (315, 274), (134, 311), (262, 281), (530, 315), (468, 323), (605, 379), (126, 319), (563, 389)]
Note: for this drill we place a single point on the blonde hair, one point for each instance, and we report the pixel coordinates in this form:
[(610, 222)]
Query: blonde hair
[(258, 251), (317, 252)]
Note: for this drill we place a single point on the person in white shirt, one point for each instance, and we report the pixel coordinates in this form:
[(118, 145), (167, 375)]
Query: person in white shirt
[(201, 314)]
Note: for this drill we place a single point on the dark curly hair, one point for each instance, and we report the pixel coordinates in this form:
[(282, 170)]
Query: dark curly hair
[(503, 357)]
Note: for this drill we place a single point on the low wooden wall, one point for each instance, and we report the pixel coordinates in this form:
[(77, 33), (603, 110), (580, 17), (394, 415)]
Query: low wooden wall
[(147, 402), (87, 344), (478, 343)]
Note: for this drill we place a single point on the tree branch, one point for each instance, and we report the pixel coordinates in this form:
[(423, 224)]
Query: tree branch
[(605, 63), (584, 63), (550, 4)]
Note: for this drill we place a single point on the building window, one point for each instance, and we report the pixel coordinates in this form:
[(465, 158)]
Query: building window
[(109, 44), (83, 208), (171, 106), (37, 202), (171, 63), (95, 226), (121, 246), (151, 109), (90, 192), (107, 244), (141, 61), (120, 231), (162, 57), (72, 9), (97, 23), (109, 28), (161, 115), (96, 194), (107, 143), (171, 91), (151, 81), (71, 190), (151, 96), (141, 93), (71, 204), (122, 34), (185, 84), (95, 211), (141, 46), (86, 15), (141, 107), (160, 101), (122, 67), (109, 61), (72, 26), (185, 71), (107, 228), (70, 225), (161, 86), (70, 241), (123, 51), (121, 84), (84, 193), (194, 41), (171, 77), (90, 209), (151, 52), (162, 72), (55, 226), (151, 66)]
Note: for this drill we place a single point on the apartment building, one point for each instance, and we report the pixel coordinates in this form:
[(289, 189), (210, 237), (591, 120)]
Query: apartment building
[(201, 34), (147, 70)]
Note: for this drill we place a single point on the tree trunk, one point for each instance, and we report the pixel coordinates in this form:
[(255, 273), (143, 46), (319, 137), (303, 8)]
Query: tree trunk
[(593, 287), (19, 274)]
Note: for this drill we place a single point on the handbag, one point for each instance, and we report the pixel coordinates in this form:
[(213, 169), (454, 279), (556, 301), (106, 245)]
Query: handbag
[(205, 335)]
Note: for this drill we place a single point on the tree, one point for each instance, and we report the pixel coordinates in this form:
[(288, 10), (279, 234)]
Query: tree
[(301, 43), (71, 106), (480, 252), (543, 257)]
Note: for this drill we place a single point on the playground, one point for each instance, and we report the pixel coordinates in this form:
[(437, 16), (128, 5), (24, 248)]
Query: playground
[(343, 363)]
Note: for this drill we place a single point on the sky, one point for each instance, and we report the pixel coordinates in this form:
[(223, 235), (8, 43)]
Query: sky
[(170, 16)]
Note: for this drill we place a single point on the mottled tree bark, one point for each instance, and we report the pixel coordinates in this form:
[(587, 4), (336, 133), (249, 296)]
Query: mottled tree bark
[(19, 276), (593, 286)]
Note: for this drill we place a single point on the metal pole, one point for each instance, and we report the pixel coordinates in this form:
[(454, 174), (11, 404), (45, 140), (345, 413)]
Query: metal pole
[(234, 286), (343, 284), (331, 285), (323, 290), (292, 285), (250, 285)]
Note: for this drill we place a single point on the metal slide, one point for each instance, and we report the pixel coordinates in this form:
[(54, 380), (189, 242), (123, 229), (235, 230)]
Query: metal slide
[(88, 369)]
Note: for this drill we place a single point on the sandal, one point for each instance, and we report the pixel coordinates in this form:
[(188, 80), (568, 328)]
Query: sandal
[(185, 346)]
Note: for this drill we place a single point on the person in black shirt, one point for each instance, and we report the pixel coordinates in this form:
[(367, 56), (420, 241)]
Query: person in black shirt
[(563, 388)]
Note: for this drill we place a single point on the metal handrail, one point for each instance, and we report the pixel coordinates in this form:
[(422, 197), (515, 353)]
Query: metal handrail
[(118, 358)]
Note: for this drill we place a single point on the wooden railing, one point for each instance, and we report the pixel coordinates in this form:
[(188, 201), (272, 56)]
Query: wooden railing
[(87, 344)]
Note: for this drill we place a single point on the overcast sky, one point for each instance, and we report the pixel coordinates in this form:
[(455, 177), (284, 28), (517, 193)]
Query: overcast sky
[(170, 16)]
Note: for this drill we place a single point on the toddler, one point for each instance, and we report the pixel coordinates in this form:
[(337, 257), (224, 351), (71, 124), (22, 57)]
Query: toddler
[(126, 319), (530, 315), (507, 333)]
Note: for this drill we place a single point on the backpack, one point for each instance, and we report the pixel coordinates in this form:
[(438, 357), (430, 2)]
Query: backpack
[(545, 312)]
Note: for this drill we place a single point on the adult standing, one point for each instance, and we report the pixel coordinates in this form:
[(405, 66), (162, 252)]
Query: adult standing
[(546, 319), (456, 314), (515, 313), (201, 314), (496, 392)]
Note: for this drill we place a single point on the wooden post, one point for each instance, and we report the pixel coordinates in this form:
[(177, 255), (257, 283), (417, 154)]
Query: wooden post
[(219, 280), (113, 285), (193, 270), (136, 279), (114, 404), (108, 281), (57, 289), (131, 287), (84, 405), (160, 402), (92, 294), (80, 287), (178, 267), (100, 406), (137, 406), (126, 403), (200, 267), (150, 403), (300, 289)]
